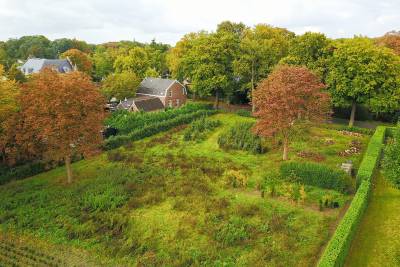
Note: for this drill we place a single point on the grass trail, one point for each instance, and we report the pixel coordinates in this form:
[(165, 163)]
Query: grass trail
[(378, 241)]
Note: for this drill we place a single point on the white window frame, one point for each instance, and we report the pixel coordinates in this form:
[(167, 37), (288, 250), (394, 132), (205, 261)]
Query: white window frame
[(177, 102), (170, 103)]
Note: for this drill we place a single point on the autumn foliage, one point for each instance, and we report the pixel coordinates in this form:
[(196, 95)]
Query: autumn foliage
[(80, 59), (62, 116), (291, 95)]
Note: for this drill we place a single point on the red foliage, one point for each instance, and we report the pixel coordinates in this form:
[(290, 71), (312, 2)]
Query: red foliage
[(290, 95)]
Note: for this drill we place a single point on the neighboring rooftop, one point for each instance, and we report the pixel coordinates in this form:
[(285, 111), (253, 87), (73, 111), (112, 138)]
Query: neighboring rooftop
[(154, 86), (142, 103), (35, 65)]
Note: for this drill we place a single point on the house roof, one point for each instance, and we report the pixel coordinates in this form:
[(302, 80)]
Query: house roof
[(145, 103), (148, 104), (154, 86), (35, 65)]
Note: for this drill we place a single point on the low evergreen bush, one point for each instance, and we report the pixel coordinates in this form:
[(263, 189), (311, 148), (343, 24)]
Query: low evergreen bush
[(316, 175), (240, 137), (244, 113), (21, 172)]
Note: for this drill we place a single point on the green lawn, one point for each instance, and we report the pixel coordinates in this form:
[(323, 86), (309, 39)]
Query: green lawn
[(165, 201), (377, 242)]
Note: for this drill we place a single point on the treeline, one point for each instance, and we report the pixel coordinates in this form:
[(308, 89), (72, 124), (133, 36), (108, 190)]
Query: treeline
[(230, 62)]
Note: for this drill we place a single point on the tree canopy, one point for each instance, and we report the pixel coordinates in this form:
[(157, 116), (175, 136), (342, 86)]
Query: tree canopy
[(120, 85), (80, 59), (290, 96), (363, 73), (64, 113)]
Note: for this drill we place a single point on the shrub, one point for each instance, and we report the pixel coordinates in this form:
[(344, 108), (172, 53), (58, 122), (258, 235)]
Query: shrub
[(198, 129), (244, 113), (316, 175), (339, 245), (391, 160), (21, 172), (240, 137), (235, 179), (232, 232)]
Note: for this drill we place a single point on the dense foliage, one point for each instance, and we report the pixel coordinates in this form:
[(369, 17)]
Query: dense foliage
[(316, 175), (126, 121), (290, 96), (241, 137), (338, 247), (21, 172), (120, 85), (391, 160), (199, 129), (149, 129)]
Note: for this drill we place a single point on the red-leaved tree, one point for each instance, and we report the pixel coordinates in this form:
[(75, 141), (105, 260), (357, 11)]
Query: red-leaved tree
[(289, 97), (61, 116)]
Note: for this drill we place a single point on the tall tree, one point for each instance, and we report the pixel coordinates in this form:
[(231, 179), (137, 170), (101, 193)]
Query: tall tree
[(289, 97), (80, 59), (311, 50), (260, 50), (210, 61), (136, 61), (9, 92), (120, 85), (363, 73), (64, 112), (103, 63)]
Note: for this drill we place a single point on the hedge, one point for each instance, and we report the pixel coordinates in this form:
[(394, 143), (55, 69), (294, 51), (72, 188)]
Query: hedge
[(149, 130), (21, 172), (317, 175), (338, 247)]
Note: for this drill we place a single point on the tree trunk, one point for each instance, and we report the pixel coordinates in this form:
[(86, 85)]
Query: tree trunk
[(285, 148), (216, 103), (69, 170), (353, 114), (253, 107)]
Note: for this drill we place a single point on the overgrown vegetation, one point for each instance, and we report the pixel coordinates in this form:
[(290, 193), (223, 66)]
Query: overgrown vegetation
[(316, 175), (240, 136), (391, 160), (199, 129)]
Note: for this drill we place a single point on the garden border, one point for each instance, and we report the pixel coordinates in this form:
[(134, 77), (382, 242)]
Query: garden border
[(338, 247)]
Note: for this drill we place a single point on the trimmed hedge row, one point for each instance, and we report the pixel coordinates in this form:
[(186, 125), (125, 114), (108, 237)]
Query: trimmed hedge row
[(316, 175), (338, 247), (149, 130), (21, 172), (125, 121)]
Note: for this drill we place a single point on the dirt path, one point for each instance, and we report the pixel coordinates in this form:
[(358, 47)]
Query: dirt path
[(377, 242)]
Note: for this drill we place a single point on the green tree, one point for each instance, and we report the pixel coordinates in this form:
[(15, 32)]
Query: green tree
[(209, 62), (311, 50), (362, 73), (136, 61), (120, 85), (102, 63), (260, 50)]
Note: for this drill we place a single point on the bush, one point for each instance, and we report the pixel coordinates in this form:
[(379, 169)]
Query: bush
[(198, 129), (22, 172), (316, 175), (151, 129), (232, 232), (240, 137), (244, 113), (391, 160), (339, 245)]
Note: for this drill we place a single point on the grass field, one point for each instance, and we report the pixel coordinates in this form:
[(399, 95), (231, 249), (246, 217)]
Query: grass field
[(165, 201), (377, 242)]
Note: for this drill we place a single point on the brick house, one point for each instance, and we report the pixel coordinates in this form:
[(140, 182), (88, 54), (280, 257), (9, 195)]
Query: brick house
[(171, 92), (141, 103)]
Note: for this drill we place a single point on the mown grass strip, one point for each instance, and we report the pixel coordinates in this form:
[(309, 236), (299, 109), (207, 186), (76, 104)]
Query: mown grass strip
[(339, 245)]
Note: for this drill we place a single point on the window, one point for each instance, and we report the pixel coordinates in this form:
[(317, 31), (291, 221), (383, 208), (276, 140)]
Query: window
[(177, 102), (170, 103), (170, 93), (183, 90)]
